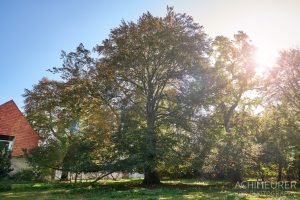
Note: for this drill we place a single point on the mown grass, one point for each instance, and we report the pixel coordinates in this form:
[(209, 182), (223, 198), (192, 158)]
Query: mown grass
[(132, 189)]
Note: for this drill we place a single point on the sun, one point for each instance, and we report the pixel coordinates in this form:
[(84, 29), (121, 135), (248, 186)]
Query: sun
[(265, 59)]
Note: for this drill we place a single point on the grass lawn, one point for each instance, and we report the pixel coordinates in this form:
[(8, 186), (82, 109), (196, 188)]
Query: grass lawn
[(132, 189)]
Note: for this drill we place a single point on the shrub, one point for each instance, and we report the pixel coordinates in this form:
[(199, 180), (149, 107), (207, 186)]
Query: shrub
[(5, 186), (5, 162), (27, 175)]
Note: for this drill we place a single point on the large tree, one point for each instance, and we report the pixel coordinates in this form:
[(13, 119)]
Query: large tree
[(234, 63), (70, 110), (150, 59)]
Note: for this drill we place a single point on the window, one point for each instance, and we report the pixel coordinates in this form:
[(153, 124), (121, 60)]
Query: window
[(7, 141)]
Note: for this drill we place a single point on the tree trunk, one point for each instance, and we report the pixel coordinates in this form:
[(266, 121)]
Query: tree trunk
[(52, 177), (76, 176), (228, 114), (150, 176), (64, 175), (236, 176), (125, 175), (261, 172), (279, 177), (262, 177), (150, 172), (298, 167), (227, 123)]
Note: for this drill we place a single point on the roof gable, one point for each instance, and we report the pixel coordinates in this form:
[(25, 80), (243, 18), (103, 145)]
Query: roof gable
[(8, 113), (13, 123)]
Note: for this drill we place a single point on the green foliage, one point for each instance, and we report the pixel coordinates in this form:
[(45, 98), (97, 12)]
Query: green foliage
[(5, 161), (5, 186), (46, 158), (79, 157), (26, 175)]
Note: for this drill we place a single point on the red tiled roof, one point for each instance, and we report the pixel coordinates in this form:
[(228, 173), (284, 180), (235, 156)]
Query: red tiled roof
[(13, 123)]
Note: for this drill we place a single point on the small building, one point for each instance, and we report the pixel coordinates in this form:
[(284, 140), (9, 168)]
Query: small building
[(16, 133)]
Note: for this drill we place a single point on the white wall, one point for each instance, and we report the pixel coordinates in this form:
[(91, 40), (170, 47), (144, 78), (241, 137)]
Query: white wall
[(18, 164)]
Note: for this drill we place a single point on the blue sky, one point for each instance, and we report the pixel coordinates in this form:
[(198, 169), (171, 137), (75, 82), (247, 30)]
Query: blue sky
[(33, 33)]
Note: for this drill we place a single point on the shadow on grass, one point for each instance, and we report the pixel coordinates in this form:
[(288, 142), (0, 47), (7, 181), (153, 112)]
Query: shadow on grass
[(130, 189)]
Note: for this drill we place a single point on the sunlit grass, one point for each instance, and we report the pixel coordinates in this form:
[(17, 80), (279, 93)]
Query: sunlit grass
[(195, 182), (132, 189)]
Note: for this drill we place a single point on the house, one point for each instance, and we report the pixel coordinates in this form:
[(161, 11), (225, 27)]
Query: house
[(16, 133)]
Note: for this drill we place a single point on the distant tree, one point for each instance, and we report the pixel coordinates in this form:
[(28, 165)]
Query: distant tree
[(234, 63), (284, 77), (282, 93)]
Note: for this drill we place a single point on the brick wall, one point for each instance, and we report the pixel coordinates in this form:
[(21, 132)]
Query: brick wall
[(13, 123)]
